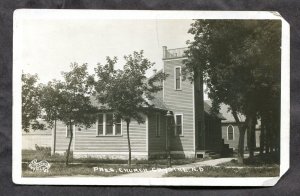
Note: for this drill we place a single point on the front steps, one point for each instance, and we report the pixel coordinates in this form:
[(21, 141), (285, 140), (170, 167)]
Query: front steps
[(225, 151), (207, 153)]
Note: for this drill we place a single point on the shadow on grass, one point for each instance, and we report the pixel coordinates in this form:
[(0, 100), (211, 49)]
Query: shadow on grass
[(260, 160)]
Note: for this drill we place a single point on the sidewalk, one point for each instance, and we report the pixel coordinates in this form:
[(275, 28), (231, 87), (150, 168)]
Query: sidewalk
[(158, 173)]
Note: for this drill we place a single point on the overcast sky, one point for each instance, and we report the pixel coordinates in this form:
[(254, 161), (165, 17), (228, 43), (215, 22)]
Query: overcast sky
[(49, 46)]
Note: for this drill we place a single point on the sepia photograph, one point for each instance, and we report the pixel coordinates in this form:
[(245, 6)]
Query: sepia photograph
[(162, 98)]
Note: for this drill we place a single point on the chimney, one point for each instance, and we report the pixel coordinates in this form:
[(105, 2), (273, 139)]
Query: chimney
[(154, 71), (165, 52)]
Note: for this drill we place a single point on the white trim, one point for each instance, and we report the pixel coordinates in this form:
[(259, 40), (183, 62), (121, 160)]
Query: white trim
[(157, 153), (27, 14), (168, 136), (110, 153), (174, 59), (52, 141), (232, 132), (147, 133), (179, 89), (67, 130), (163, 83), (178, 114), (74, 136), (182, 152), (157, 132), (194, 117), (104, 126)]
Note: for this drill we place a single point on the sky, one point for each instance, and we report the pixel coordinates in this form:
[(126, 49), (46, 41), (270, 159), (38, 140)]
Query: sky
[(49, 46)]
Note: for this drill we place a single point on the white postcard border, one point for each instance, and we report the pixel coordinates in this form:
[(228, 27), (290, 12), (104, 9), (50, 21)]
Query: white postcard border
[(23, 14)]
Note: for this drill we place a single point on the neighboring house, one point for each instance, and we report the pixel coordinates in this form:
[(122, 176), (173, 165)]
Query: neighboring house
[(33, 138), (181, 98), (230, 129)]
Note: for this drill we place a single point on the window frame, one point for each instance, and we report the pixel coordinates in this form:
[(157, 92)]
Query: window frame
[(104, 127), (175, 121), (73, 129), (232, 133), (157, 124), (103, 124), (175, 78)]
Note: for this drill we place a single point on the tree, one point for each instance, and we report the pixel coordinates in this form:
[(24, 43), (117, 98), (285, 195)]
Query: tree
[(31, 110), (126, 91), (75, 108), (234, 55), (50, 101)]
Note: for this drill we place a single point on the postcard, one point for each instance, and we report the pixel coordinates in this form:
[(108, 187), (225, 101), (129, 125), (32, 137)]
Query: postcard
[(150, 98)]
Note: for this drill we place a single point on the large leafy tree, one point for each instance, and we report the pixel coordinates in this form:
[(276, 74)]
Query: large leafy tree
[(75, 107), (50, 102), (238, 59), (126, 92), (31, 109)]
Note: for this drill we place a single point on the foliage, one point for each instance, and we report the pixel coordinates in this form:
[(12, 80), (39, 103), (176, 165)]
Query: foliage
[(51, 101), (240, 60), (126, 92), (30, 103), (75, 92), (75, 106), (69, 100)]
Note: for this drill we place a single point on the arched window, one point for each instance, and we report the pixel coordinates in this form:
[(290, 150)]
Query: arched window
[(230, 132)]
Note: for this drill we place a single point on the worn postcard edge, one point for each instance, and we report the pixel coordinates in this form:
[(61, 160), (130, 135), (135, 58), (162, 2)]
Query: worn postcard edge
[(22, 14)]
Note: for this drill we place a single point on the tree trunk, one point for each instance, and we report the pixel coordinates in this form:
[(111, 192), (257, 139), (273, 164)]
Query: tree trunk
[(129, 146), (267, 136), (262, 135), (251, 135), (70, 142), (54, 138), (241, 144), (242, 130), (201, 112)]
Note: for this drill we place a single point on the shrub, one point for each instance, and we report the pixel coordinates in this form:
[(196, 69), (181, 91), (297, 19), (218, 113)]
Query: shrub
[(42, 152)]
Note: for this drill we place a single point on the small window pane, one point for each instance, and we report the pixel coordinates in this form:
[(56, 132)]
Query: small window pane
[(118, 129), (230, 132), (177, 78), (118, 126), (178, 120), (100, 124), (178, 125), (109, 124), (69, 130), (157, 125), (179, 131)]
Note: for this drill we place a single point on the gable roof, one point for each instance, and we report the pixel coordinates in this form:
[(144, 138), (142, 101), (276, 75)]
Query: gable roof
[(157, 103), (224, 110), (207, 109)]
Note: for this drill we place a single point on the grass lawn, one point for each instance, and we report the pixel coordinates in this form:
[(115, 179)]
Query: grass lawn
[(85, 166), (266, 165), (226, 172), (265, 160)]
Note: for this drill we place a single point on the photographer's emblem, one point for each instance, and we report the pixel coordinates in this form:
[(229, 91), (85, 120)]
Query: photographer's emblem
[(39, 166)]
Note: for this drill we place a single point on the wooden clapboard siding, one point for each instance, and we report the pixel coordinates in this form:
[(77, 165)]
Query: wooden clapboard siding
[(156, 143), (86, 140), (30, 140), (236, 133), (180, 102), (62, 141)]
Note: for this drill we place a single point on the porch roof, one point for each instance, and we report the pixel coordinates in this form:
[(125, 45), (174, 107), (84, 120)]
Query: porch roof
[(156, 103)]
